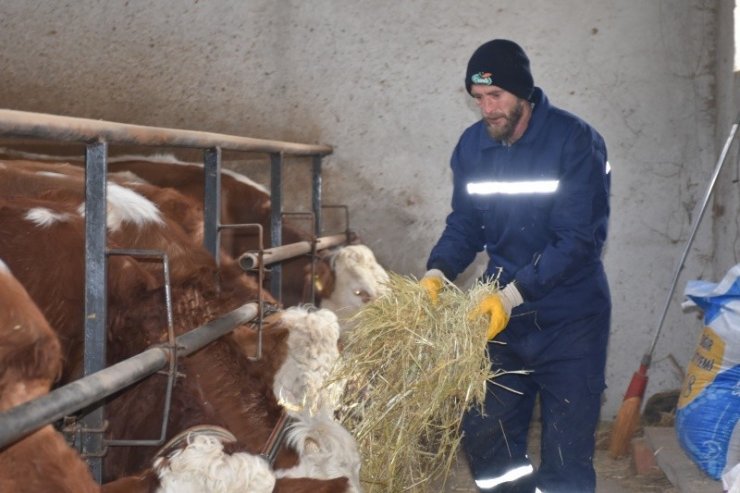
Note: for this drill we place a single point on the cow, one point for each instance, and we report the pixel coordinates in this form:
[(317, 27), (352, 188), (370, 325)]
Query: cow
[(349, 278), (243, 201), (218, 386), (210, 459), (133, 221), (31, 361)]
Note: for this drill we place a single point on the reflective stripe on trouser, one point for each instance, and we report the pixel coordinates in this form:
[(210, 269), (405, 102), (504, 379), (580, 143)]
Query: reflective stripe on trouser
[(568, 373), (509, 477)]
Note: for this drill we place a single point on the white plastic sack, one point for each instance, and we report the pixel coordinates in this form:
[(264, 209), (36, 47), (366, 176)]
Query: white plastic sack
[(731, 480), (708, 411)]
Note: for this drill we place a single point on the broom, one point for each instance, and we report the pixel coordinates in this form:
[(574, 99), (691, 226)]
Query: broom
[(628, 416)]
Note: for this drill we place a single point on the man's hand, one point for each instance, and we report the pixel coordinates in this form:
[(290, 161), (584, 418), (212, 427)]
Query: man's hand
[(498, 307), (433, 281)]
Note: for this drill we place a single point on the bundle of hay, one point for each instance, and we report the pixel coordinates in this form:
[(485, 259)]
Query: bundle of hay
[(412, 369)]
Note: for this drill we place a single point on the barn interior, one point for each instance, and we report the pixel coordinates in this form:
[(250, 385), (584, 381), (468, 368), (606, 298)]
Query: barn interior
[(380, 84)]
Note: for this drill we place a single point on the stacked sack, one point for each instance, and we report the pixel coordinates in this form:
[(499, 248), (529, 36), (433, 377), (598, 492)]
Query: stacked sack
[(708, 413)]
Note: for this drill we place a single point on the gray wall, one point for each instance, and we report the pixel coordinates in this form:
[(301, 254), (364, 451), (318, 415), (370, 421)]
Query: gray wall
[(381, 81)]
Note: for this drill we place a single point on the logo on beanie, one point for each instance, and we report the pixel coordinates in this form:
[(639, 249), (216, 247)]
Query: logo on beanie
[(482, 78)]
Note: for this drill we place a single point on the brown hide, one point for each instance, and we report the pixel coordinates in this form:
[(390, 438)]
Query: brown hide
[(176, 184), (216, 386), (43, 462), (321, 280), (240, 204), (30, 359), (30, 354), (220, 388), (309, 485), (274, 347), (146, 482)]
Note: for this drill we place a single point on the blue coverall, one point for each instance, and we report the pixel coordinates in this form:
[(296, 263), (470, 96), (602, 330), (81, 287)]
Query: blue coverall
[(540, 208)]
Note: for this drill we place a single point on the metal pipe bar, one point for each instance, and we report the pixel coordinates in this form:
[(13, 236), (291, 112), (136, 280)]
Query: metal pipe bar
[(276, 220), (276, 438), (250, 260), (316, 193), (96, 290), (171, 341), (694, 228), (346, 218), (41, 125), (212, 201), (260, 280), (29, 416)]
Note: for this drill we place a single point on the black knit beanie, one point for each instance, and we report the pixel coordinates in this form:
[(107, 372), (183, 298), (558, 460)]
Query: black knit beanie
[(501, 63)]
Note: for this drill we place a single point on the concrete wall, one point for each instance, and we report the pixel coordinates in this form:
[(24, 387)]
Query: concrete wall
[(381, 81)]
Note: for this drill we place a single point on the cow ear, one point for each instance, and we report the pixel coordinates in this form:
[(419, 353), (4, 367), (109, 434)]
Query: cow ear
[(321, 280)]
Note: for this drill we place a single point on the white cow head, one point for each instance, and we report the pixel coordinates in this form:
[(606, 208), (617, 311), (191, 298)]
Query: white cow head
[(357, 279)]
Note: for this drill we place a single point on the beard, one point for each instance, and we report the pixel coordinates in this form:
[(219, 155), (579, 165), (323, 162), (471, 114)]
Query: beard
[(505, 131)]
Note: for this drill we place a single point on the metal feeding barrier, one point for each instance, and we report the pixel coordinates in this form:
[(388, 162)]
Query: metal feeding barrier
[(98, 381), (31, 415)]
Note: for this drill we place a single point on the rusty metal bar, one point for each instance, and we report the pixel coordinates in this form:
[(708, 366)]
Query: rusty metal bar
[(171, 341), (212, 201), (250, 260), (277, 437), (316, 193), (276, 220), (42, 125), (345, 208)]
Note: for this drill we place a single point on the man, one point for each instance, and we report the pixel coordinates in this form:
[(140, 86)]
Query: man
[(531, 186)]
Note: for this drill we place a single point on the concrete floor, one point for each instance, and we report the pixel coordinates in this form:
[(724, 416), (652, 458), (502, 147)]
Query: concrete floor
[(613, 475)]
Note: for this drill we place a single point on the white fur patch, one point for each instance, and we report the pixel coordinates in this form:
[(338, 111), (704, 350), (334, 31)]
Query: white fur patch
[(127, 177), (4, 268), (160, 157), (43, 217), (52, 174), (203, 466), (312, 353), (127, 206), (326, 449), (245, 180)]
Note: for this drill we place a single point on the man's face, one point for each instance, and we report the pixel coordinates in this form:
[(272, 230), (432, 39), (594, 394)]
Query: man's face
[(500, 109)]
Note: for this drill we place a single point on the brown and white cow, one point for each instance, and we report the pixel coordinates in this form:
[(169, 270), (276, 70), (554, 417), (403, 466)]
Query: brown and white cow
[(218, 386), (352, 279), (345, 281), (210, 459), (243, 201), (30, 358)]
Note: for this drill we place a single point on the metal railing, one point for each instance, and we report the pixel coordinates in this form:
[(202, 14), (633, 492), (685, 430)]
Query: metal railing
[(96, 135), (31, 415)]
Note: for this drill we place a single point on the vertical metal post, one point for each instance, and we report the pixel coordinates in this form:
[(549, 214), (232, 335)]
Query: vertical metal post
[(96, 290), (212, 200), (316, 194), (276, 201)]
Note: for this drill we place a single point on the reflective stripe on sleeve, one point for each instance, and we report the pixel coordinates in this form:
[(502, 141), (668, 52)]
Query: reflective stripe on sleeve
[(512, 187)]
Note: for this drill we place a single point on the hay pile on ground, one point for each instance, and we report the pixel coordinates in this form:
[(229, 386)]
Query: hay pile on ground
[(412, 369)]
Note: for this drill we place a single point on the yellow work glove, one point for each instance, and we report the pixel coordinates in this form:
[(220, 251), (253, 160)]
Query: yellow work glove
[(432, 282), (498, 307)]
